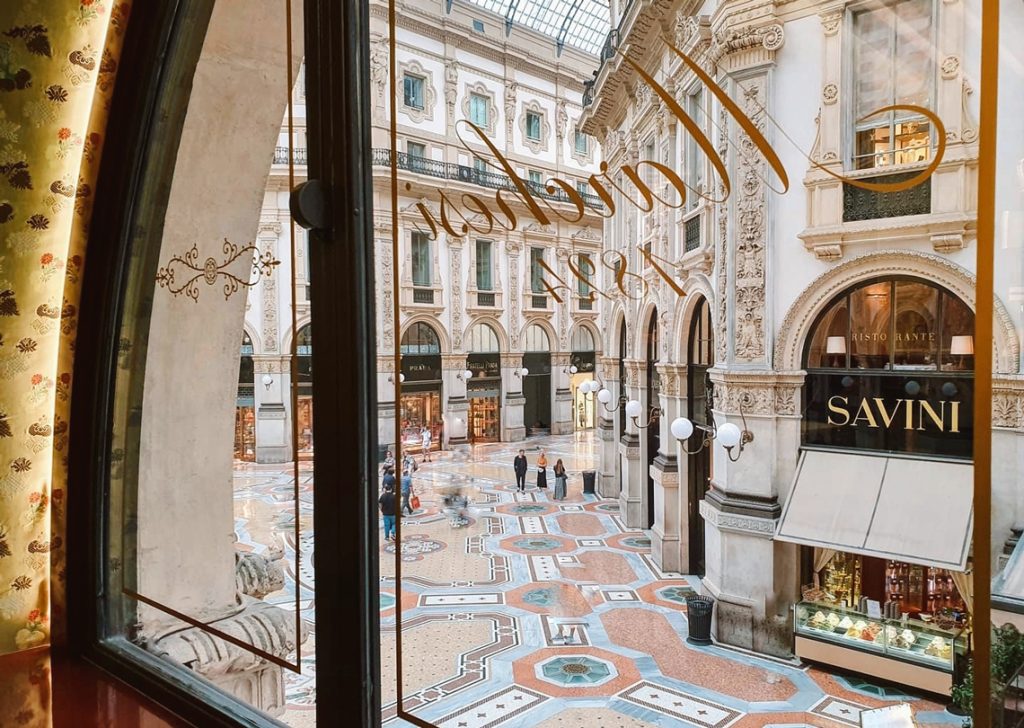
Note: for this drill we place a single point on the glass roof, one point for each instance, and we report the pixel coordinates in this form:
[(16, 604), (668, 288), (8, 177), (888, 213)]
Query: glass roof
[(582, 24)]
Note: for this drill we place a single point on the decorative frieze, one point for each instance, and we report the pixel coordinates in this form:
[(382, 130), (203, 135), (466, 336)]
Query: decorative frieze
[(1008, 403), (757, 393), (269, 232), (760, 527)]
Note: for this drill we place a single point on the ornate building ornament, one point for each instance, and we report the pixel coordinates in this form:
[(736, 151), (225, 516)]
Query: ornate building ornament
[(451, 89), (379, 56), (750, 235), (732, 40), (830, 93), (212, 272), (480, 89), (1008, 402), (760, 527), (511, 91), (535, 145), (821, 291), (416, 70)]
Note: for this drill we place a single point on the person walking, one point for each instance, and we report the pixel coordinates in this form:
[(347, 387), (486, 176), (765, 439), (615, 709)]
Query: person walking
[(389, 478), (389, 461), (560, 480), (409, 463), (406, 491), (387, 510), (425, 440), (520, 466), (542, 470)]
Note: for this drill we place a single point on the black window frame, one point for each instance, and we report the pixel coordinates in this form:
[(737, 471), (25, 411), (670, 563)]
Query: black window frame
[(162, 46)]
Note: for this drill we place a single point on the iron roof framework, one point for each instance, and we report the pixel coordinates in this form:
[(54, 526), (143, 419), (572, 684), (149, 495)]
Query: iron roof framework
[(581, 24)]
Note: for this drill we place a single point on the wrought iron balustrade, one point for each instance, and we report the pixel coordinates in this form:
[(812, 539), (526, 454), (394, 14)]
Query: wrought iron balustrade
[(691, 233), (484, 299), (448, 170), (861, 204), (300, 155)]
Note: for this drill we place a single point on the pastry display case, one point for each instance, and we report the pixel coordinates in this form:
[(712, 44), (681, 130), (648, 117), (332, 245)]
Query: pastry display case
[(824, 632)]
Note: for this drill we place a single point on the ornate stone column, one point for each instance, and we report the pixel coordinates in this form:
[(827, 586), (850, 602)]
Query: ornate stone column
[(607, 425), (273, 409), (561, 419), (512, 427), (634, 470), (667, 541), (455, 406)]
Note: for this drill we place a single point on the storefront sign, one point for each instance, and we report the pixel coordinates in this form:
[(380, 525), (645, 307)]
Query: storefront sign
[(421, 368), (484, 365), (925, 413)]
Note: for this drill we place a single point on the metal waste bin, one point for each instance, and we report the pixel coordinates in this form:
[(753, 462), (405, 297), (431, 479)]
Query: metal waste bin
[(698, 617), (589, 477)]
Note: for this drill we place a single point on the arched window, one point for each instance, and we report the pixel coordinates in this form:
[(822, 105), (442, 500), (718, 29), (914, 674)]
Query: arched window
[(890, 368), (582, 339), (420, 339), (483, 340), (246, 371), (893, 324), (537, 339), (304, 352)]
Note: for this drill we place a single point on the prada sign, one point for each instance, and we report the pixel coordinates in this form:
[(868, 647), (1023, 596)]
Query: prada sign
[(923, 412)]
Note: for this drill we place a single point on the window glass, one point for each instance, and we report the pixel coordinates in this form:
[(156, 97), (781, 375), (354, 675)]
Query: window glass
[(831, 339), (694, 158), (416, 149), (413, 91), (533, 122), (479, 109), (421, 262), (915, 337), (580, 141), (484, 265), (536, 271), (871, 326), (893, 66)]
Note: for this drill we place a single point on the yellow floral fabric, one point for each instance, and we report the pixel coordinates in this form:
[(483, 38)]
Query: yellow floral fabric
[(58, 60)]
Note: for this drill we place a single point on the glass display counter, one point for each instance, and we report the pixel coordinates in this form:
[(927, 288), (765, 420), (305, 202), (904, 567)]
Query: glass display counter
[(911, 642)]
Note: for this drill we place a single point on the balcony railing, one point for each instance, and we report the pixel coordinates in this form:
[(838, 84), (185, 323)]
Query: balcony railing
[(422, 295), (300, 155), (484, 299), (484, 178), (861, 204), (691, 233)]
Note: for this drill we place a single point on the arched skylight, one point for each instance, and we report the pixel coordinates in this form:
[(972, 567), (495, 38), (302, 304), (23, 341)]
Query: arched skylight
[(582, 24)]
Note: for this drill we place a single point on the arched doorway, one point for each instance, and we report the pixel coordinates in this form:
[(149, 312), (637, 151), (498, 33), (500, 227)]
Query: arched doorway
[(537, 384), (652, 431), (245, 406), (698, 388), (304, 391), (484, 389), (422, 388), (584, 359)]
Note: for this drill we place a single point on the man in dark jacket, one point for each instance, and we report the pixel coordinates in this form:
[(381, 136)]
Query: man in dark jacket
[(521, 466), (387, 509)]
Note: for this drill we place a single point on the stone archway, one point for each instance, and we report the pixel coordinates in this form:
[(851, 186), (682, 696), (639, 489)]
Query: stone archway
[(794, 329)]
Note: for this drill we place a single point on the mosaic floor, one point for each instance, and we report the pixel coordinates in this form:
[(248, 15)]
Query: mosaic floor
[(538, 612)]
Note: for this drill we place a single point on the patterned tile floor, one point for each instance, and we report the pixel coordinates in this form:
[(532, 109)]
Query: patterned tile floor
[(542, 613)]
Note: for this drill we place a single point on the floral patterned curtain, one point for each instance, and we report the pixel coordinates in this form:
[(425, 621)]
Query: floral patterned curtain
[(58, 61)]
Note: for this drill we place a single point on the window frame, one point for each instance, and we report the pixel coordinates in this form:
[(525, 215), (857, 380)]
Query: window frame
[(485, 104), (849, 113), (406, 77), (577, 135), (416, 237), (163, 43), (530, 114), (490, 265)]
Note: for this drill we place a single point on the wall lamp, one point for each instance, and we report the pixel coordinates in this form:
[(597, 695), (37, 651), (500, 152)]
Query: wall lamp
[(728, 434), (267, 381), (521, 372), (604, 396), (634, 409), (589, 387), (570, 369), (465, 376), (391, 378)]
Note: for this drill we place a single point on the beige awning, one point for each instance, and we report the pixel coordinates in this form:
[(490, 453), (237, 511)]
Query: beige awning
[(918, 511)]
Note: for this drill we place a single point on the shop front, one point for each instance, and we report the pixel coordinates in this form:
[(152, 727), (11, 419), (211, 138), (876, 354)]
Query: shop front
[(882, 502), (304, 392), (484, 394), (422, 401)]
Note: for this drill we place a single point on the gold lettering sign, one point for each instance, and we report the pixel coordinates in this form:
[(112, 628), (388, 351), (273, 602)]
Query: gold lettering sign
[(910, 414)]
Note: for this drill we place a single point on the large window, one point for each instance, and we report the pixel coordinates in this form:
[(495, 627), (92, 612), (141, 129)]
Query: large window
[(580, 142), (533, 124), (484, 265), (890, 367), (421, 264), (694, 159), (413, 91), (479, 110), (536, 271), (893, 64)]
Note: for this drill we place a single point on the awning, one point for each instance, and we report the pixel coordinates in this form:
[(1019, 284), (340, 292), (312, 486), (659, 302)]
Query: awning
[(918, 511)]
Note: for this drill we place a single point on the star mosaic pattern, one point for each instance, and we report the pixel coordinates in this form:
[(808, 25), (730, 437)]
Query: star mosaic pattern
[(544, 613)]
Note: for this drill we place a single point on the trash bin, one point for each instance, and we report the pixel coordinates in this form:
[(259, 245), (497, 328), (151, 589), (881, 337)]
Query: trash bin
[(698, 617), (589, 477)]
